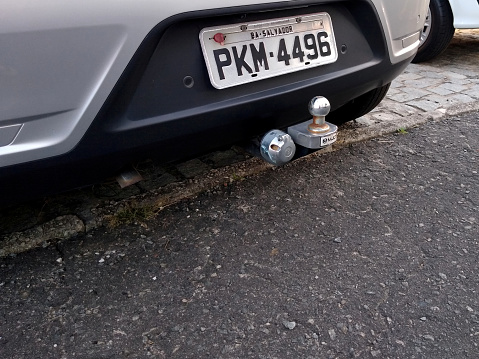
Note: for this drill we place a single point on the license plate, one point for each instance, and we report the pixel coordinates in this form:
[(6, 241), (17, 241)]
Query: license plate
[(248, 52)]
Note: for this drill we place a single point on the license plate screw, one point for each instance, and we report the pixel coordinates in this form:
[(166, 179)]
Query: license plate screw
[(219, 38), (244, 27), (298, 20)]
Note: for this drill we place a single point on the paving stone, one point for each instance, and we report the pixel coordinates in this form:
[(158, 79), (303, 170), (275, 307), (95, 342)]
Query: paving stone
[(192, 168), (468, 72), (422, 83), (433, 75), (409, 75), (395, 107), (409, 94), (453, 75), (224, 158), (472, 93), (440, 91), (392, 91), (385, 116), (426, 105), (157, 181), (463, 98), (442, 101), (454, 87), (396, 84), (366, 120)]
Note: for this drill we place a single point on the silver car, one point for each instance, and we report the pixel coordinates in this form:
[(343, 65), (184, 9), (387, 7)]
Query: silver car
[(443, 18), (87, 87)]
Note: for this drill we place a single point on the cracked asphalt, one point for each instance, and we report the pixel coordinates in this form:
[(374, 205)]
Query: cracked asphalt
[(366, 252)]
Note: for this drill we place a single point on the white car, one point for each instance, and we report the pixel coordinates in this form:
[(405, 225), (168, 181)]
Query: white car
[(443, 17), (87, 86)]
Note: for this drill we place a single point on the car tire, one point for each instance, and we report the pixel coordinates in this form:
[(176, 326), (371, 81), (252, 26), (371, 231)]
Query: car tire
[(437, 31), (359, 106)]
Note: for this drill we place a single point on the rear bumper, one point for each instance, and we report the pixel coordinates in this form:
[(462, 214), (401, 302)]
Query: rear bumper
[(152, 106)]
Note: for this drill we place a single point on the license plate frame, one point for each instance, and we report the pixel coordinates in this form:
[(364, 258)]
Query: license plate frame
[(252, 51)]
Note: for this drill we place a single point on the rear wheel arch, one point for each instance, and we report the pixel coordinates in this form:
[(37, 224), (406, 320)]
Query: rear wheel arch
[(437, 32), (359, 106)]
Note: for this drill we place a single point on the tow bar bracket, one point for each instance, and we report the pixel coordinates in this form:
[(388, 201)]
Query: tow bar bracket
[(317, 133)]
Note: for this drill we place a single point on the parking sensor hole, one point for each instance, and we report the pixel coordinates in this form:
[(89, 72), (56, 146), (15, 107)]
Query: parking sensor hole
[(344, 49), (188, 81)]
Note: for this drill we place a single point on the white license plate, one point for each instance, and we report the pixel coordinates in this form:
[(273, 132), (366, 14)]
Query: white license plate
[(247, 52)]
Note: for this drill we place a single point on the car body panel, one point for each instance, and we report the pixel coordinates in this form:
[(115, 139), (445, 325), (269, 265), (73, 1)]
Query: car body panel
[(403, 20), (466, 13), (59, 62), (87, 88)]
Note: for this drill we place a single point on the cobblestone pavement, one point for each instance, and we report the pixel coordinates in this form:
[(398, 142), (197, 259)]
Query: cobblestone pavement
[(446, 86), (449, 81)]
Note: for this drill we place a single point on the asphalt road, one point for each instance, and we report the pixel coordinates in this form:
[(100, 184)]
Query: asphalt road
[(367, 252)]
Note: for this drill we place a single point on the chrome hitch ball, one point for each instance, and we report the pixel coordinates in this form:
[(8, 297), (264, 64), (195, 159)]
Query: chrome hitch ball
[(277, 147), (319, 108)]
